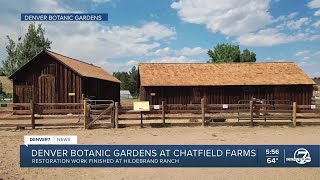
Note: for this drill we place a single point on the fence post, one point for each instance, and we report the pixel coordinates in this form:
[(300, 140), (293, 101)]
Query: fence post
[(116, 113), (163, 114), (33, 123), (264, 109), (202, 111), (251, 113), (294, 114), (85, 114)]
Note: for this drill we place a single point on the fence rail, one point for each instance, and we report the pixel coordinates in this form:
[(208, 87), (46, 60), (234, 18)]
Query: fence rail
[(37, 113), (244, 113), (216, 114)]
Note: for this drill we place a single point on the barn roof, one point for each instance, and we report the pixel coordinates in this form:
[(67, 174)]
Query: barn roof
[(221, 74), (82, 68)]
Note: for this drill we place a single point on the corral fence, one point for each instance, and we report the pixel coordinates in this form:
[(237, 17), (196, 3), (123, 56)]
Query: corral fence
[(109, 114), (38, 114), (245, 113)]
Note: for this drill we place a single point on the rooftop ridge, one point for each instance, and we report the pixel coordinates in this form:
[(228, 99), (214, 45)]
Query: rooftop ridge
[(72, 58), (222, 74), (219, 63)]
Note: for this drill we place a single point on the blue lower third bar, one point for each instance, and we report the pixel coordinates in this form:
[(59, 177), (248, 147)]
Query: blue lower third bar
[(169, 156), (64, 17)]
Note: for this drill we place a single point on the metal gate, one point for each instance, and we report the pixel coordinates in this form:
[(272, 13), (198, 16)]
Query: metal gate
[(100, 113)]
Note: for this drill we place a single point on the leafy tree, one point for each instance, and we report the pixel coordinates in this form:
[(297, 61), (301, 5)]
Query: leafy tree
[(225, 53), (129, 80), (247, 56), (2, 73), (21, 52), (9, 65), (230, 53), (124, 78), (133, 81)]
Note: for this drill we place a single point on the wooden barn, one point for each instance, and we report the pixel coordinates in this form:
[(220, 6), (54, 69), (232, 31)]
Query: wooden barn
[(54, 78), (218, 83)]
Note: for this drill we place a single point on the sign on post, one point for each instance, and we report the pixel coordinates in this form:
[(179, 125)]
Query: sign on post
[(141, 106)]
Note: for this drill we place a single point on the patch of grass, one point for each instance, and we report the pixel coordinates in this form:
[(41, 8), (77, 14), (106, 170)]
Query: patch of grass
[(5, 101), (6, 84)]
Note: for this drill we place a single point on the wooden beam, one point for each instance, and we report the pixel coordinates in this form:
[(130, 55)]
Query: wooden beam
[(20, 112), (61, 124), (294, 114), (158, 118), (43, 118), (59, 104), (85, 112), (163, 113), (61, 111), (26, 105), (100, 106), (251, 113), (15, 125), (202, 111), (116, 114), (33, 122)]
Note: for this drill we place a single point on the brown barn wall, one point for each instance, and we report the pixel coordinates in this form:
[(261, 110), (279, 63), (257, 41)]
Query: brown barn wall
[(226, 94), (50, 81), (101, 90)]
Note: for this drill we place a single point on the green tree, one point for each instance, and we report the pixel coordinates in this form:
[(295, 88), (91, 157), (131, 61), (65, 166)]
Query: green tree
[(230, 53), (21, 52), (9, 65), (133, 81), (247, 56), (129, 80), (124, 78)]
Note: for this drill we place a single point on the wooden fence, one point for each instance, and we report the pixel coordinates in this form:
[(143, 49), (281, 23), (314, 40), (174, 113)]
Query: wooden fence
[(245, 114), (37, 113), (249, 114)]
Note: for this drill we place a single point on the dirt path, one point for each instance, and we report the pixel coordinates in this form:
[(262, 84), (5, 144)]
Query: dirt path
[(10, 141)]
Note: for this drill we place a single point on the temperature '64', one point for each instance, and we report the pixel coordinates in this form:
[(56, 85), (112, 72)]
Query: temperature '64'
[(272, 155)]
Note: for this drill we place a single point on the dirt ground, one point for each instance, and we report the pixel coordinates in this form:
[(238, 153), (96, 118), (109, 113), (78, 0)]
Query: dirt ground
[(11, 139)]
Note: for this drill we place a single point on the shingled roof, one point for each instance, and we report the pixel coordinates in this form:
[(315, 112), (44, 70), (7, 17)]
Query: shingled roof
[(82, 68), (221, 74)]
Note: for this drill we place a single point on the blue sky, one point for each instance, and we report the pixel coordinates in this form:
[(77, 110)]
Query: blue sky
[(175, 30)]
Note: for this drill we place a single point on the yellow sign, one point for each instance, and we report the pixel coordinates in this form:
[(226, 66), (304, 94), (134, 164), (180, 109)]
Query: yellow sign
[(141, 106), (71, 94)]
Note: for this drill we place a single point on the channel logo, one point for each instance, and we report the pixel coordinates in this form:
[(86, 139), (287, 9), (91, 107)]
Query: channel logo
[(301, 156)]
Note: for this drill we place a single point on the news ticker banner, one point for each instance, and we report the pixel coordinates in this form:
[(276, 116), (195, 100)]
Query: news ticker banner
[(64, 17), (169, 156)]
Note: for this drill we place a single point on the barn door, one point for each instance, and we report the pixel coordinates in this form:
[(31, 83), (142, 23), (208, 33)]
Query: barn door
[(23, 94), (47, 89)]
